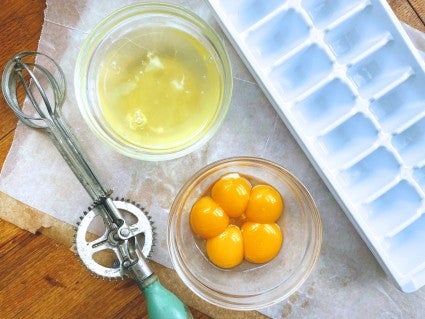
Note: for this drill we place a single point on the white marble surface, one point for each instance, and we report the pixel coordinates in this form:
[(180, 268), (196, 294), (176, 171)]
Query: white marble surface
[(347, 282)]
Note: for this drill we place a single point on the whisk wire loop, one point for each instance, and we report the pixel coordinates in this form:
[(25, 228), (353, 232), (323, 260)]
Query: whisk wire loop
[(48, 113)]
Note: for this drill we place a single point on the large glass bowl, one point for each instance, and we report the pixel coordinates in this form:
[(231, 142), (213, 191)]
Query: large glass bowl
[(128, 29), (247, 286)]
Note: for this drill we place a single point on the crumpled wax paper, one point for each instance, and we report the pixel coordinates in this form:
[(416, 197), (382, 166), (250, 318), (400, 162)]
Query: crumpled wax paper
[(347, 279)]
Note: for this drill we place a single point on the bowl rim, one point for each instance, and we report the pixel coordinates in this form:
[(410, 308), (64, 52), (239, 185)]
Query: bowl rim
[(214, 297), (95, 38)]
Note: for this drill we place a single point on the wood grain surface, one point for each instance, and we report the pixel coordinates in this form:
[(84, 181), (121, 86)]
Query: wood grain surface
[(41, 278)]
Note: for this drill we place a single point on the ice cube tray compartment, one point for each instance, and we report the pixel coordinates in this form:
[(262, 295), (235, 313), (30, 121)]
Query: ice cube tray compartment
[(272, 39), (393, 210), (406, 248), (370, 175), (410, 143), (400, 105), (379, 70), (245, 13), (343, 143), (301, 71), (324, 12), (346, 80), (347, 39), (329, 104)]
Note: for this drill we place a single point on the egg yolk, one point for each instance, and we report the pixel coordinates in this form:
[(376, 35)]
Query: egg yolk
[(232, 202), (207, 219), (226, 249), (231, 192), (265, 205), (261, 242)]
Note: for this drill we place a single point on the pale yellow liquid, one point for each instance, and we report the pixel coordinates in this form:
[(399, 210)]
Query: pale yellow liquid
[(159, 88)]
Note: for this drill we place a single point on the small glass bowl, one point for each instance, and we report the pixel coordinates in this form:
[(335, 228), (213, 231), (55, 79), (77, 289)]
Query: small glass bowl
[(129, 24), (248, 286)]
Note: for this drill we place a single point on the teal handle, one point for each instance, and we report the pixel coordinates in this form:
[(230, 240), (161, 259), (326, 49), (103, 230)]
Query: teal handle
[(163, 304)]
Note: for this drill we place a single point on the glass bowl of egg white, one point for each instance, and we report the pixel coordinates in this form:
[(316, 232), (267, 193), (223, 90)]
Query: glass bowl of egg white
[(244, 233), (153, 81)]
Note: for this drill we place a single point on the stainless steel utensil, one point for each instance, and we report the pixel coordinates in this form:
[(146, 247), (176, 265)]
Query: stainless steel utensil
[(127, 228)]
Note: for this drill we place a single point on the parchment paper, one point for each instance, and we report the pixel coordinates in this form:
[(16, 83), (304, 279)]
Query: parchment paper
[(347, 280)]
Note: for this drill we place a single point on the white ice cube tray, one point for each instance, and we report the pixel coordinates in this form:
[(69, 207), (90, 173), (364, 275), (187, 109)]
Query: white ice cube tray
[(350, 86)]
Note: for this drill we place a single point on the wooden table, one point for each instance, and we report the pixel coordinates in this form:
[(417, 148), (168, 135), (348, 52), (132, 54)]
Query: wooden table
[(38, 277)]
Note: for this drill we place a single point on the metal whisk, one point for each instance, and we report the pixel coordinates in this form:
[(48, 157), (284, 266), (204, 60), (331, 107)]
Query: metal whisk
[(130, 241)]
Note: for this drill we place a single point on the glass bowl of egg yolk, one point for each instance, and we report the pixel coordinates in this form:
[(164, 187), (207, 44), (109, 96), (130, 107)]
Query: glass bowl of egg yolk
[(153, 81), (244, 233)]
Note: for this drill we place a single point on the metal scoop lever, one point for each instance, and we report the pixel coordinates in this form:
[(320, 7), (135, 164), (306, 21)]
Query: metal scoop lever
[(131, 241)]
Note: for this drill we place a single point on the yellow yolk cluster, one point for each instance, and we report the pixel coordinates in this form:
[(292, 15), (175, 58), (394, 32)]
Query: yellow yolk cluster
[(232, 202)]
